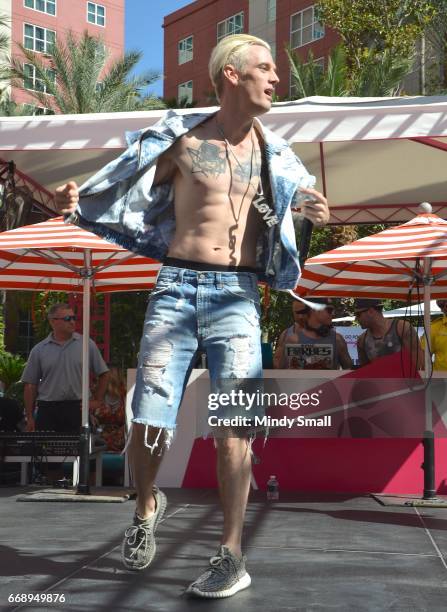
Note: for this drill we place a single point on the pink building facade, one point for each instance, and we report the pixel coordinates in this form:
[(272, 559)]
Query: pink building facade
[(37, 23)]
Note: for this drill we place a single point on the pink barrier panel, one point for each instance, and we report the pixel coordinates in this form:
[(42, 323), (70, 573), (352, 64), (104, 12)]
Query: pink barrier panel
[(338, 464)]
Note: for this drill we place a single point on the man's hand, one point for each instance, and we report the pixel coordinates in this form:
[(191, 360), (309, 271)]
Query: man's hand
[(315, 208), (30, 424), (94, 404), (66, 198)]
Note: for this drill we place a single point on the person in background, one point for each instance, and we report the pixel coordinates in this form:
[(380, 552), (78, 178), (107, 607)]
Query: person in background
[(313, 344), (53, 376), (384, 336), (289, 335), (438, 338), (110, 415)]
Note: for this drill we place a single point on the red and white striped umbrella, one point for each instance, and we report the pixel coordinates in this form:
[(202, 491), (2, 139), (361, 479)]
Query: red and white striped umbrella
[(55, 256), (51, 256), (397, 263), (404, 263)]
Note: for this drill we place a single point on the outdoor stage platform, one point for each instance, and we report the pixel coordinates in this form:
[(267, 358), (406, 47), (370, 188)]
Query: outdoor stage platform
[(306, 552)]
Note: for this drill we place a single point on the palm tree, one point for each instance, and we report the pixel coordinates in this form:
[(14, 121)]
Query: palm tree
[(309, 77), (381, 73), (76, 77), (435, 54), (4, 37), (4, 50), (179, 103), (9, 108)]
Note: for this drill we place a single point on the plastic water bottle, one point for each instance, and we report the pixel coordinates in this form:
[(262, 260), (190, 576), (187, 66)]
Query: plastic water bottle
[(272, 489)]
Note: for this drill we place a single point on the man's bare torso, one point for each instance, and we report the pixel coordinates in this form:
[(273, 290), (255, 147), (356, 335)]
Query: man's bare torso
[(214, 187)]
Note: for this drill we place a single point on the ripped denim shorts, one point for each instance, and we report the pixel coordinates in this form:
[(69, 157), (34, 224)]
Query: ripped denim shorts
[(188, 311)]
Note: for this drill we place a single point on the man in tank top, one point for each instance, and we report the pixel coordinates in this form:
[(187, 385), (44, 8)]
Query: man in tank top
[(384, 336), (312, 343), (438, 338), (298, 312)]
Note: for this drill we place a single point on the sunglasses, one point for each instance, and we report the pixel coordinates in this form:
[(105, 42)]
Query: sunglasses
[(359, 312), (67, 318)]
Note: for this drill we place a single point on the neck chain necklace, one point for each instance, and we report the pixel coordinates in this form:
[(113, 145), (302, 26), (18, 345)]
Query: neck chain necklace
[(229, 149), (232, 230)]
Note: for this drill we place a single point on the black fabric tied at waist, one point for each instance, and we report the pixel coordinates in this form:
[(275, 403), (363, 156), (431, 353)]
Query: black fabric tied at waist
[(68, 403), (200, 266)]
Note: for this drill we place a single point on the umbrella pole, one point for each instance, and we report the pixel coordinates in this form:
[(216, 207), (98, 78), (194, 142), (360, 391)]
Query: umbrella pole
[(429, 440), (84, 447)]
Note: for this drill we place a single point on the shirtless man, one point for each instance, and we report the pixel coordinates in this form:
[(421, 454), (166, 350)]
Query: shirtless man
[(216, 235)]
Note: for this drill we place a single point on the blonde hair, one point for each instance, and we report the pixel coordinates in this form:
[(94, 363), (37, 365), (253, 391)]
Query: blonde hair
[(231, 50)]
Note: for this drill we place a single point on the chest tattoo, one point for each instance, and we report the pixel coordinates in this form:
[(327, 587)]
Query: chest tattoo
[(211, 161), (244, 172), (208, 160)]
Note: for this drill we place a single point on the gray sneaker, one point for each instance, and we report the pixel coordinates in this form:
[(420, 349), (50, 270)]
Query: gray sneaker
[(138, 548), (225, 576)]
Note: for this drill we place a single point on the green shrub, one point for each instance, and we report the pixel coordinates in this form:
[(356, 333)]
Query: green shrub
[(11, 369)]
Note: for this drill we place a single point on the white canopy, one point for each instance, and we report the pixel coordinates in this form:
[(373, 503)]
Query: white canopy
[(376, 158), (415, 310)]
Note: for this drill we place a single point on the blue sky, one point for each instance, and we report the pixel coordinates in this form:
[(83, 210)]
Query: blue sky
[(144, 19)]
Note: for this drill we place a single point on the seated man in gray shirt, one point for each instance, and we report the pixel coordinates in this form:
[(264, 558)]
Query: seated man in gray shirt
[(53, 375)]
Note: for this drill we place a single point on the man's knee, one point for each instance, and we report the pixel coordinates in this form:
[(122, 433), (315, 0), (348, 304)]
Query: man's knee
[(228, 446)]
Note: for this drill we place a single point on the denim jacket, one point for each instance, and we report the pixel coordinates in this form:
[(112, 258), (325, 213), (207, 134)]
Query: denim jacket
[(121, 204)]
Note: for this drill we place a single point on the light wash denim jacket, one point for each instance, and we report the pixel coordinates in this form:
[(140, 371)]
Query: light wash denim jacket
[(121, 204)]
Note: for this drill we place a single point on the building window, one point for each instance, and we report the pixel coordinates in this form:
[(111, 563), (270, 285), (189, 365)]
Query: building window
[(232, 25), (304, 29), (293, 90), (185, 92), (32, 109), (96, 13), (44, 6), (185, 50), (25, 336), (38, 39), (271, 11), (31, 81)]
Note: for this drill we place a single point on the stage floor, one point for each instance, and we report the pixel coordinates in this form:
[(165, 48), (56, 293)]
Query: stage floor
[(305, 553)]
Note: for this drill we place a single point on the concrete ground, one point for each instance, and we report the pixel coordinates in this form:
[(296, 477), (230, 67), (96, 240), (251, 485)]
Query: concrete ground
[(309, 552)]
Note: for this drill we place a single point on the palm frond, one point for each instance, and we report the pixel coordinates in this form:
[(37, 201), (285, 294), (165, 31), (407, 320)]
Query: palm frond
[(381, 74), (87, 81), (312, 79)]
